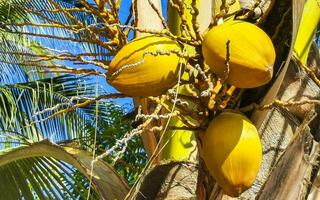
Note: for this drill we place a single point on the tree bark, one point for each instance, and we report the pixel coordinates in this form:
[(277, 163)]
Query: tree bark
[(175, 180)]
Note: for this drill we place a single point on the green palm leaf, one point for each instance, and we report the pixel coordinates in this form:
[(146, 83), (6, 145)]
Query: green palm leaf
[(44, 174)]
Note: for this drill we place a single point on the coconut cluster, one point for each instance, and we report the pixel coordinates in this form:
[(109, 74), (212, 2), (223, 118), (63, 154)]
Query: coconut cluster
[(240, 54)]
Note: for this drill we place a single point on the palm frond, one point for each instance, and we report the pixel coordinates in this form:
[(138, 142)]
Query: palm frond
[(8, 67), (43, 178), (49, 17), (41, 165), (33, 28), (25, 108)]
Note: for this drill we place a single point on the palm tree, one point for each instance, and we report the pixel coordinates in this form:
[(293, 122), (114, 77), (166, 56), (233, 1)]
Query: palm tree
[(60, 131)]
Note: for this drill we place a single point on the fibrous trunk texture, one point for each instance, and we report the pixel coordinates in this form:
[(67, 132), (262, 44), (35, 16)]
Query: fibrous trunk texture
[(175, 181)]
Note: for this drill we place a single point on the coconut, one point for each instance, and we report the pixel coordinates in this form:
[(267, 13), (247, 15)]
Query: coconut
[(146, 66), (232, 152), (248, 50)]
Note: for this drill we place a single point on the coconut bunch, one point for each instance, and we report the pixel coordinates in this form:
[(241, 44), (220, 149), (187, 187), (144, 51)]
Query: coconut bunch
[(149, 66), (206, 73), (198, 78)]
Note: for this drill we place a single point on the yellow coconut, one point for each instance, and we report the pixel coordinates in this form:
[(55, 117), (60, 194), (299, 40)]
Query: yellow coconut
[(252, 53), (136, 72), (232, 152)]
